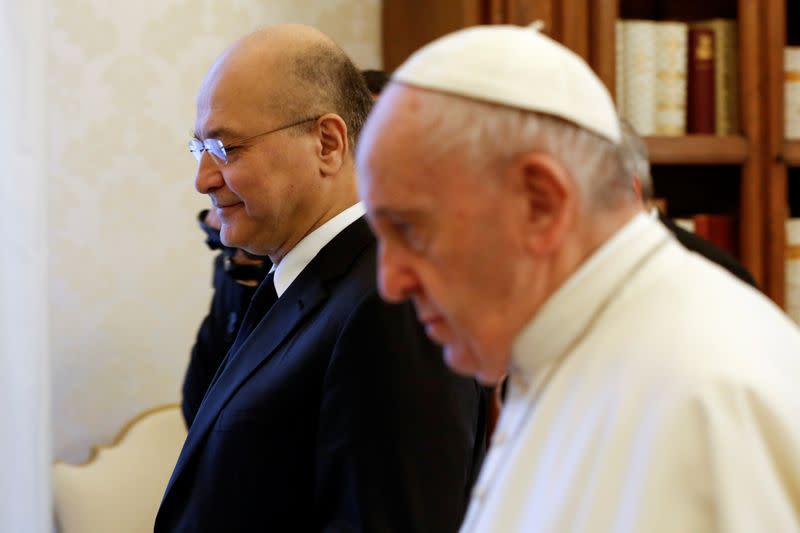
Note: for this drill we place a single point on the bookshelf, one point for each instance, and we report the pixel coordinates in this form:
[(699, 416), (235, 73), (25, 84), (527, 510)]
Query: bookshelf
[(738, 174), (698, 150), (782, 165), (776, 193), (791, 153), (671, 156), (409, 24)]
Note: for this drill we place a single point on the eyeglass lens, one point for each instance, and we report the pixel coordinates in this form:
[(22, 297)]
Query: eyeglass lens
[(215, 146)]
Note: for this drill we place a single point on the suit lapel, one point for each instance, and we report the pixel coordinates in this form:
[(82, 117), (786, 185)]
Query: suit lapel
[(300, 300)]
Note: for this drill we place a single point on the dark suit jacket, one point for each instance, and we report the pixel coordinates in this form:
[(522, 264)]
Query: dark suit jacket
[(214, 338), (708, 250), (335, 414)]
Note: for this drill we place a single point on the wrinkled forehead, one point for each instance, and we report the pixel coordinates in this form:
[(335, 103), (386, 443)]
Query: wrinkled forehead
[(387, 139), (393, 128), (393, 160)]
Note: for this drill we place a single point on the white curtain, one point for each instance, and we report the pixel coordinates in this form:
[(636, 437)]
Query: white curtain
[(24, 353)]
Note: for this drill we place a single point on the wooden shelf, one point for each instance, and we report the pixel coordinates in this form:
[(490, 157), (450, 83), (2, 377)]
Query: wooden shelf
[(698, 150), (588, 27), (791, 153)]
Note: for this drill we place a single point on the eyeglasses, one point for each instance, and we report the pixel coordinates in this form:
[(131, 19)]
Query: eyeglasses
[(220, 151)]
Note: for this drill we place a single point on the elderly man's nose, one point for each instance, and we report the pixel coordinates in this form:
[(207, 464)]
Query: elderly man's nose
[(208, 176)]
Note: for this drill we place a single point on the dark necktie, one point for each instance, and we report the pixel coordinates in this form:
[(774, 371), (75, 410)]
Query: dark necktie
[(263, 299)]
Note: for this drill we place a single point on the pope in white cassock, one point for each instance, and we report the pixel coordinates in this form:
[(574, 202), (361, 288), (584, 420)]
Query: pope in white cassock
[(650, 391)]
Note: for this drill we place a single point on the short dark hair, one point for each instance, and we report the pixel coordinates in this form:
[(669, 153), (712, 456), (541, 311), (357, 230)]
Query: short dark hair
[(376, 80), (332, 83)]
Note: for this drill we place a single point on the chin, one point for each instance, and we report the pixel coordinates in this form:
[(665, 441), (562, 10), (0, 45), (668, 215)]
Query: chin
[(460, 361), (467, 363), (489, 378), (228, 236)]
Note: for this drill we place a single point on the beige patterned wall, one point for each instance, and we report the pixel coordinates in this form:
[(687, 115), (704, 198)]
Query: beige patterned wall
[(130, 273)]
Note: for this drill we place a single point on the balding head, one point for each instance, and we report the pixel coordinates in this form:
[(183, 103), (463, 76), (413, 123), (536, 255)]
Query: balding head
[(482, 211), (280, 110), (289, 71)]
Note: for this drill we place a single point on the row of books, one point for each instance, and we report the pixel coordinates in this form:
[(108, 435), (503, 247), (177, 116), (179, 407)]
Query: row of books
[(791, 92), (674, 78)]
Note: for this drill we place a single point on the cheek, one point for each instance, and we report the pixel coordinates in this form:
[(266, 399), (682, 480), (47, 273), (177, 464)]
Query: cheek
[(464, 294), (444, 273), (252, 190), (461, 276), (449, 293), (236, 180)]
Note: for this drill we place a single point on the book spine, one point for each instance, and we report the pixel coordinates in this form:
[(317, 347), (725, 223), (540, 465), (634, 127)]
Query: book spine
[(671, 59), (639, 50), (727, 76), (717, 229), (701, 107), (791, 92), (792, 269), (685, 223)]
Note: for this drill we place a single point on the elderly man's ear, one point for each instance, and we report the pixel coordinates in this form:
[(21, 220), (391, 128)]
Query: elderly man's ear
[(550, 196), (333, 144), (636, 183)]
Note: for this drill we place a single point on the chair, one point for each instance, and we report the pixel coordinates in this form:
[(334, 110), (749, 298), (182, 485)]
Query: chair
[(120, 487)]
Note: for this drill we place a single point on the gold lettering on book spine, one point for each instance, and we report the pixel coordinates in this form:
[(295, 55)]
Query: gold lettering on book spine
[(704, 50)]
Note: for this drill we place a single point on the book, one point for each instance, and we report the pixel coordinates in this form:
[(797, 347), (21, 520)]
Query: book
[(792, 269), (685, 223), (700, 115), (718, 229), (671, 66), (726, 74), (791, 92), (639, 67)]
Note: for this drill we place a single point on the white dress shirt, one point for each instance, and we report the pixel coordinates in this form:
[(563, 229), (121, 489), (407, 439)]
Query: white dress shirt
[(307, 249), (651, 393)]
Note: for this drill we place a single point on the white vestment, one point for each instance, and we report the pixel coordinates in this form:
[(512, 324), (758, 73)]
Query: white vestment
[(653, 392)]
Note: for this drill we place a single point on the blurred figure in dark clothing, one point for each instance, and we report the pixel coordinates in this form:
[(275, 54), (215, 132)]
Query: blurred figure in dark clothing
[(376, 80)]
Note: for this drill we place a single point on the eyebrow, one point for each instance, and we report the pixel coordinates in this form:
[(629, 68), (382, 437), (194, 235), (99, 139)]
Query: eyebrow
[(215, 133)]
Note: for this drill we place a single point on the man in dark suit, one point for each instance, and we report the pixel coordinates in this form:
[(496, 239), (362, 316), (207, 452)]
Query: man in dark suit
[(332, 411), (638, 163), (235, 280)]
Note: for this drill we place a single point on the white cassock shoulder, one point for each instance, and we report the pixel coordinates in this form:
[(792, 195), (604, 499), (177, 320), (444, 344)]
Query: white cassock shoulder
[(679, 411)]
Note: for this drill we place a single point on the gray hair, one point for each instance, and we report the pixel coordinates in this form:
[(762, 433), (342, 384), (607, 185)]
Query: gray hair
[(485, 135), (637, 160)]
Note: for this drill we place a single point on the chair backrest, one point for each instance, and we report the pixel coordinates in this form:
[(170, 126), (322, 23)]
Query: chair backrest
[(120, 487)]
